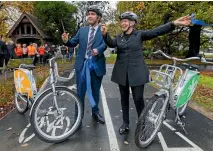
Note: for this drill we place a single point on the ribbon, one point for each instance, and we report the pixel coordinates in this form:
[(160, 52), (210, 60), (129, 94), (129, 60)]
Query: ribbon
[(198, 22), (89, 65)]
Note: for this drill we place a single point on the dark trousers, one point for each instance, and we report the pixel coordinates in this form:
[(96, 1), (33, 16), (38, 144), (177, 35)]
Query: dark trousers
[(2, 57), (35, 60), (41, 58), (95, 86), (137, 93), (25, 55), (18, 57)]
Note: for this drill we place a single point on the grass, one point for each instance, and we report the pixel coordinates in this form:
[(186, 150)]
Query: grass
[(204, 92), (112, 59), (206, 81)]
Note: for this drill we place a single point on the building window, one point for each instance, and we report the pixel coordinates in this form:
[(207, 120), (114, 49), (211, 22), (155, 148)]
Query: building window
[(22, 30), (28, 29), (17, 31), (34, 30)]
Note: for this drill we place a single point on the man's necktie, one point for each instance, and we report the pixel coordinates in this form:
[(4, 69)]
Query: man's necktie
[(91, 37)]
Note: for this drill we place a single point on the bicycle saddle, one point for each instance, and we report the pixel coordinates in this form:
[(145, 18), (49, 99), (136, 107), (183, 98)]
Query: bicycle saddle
[(29, 67)]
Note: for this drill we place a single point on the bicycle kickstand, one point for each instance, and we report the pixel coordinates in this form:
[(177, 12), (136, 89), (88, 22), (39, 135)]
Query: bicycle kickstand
[(181, 124)]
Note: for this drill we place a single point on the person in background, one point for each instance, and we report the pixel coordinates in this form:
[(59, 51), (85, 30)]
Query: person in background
[(19, 51), (52, 50), (63, 51), (41, 52), (70, 53), (11, 49), (46, 53), (31, 51), (24, 47), (3, 49), (36, 46)]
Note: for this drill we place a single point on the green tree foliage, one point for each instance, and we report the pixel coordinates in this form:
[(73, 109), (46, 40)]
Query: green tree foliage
[(153, 14), (54, 15)]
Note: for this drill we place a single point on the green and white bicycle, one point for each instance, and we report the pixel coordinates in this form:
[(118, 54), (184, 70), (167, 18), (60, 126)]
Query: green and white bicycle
[(176, 89)]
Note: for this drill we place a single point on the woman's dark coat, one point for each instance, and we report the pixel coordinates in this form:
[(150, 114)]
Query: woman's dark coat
[(130, 60)]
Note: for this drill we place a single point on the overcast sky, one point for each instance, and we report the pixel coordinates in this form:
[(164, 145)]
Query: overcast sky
[(113, 3)]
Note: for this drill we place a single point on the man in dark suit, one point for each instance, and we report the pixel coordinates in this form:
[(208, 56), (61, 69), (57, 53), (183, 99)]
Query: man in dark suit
[(91, 43)]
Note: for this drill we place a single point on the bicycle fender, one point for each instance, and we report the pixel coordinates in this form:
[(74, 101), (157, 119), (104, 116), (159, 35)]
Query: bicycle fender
[(161, 92)]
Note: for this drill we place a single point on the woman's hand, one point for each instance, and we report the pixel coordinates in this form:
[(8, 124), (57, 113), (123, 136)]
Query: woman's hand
[(104, 29), (183, 21)]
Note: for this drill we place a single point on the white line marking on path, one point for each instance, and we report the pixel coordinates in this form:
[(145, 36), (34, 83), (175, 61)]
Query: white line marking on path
[(110, 129), (169, 126), (165, 147), (188, 141)]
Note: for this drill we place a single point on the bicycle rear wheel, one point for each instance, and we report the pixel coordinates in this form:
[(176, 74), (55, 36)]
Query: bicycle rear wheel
[(21, 102), (52, 125), (150, 121)]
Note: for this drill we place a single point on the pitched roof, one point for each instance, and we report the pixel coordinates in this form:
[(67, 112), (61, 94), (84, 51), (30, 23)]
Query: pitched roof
[(34, 21)]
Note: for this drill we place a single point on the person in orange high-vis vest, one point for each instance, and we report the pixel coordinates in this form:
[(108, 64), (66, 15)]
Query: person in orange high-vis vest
[(31, 50), (19, 51), (41, 52)]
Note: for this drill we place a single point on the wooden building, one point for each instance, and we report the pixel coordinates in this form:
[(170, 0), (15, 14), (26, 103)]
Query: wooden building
[(28, 29)]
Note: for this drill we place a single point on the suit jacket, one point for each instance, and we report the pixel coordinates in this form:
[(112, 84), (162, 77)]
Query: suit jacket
[(81, 38), (130, 61)]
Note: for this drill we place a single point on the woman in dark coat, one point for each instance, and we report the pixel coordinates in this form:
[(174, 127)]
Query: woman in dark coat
[(130, 69)]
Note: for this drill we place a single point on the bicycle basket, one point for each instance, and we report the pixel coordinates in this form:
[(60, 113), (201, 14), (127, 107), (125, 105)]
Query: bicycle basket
[(166, 76)]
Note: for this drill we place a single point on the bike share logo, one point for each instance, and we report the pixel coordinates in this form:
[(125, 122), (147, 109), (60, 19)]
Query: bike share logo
[(18, 82), (58, 123), (190, 89), (22, 83)]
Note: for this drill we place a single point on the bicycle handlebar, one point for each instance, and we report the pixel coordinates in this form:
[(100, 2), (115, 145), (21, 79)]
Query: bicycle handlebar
[(53, 59), (176, 59), (201, 58)]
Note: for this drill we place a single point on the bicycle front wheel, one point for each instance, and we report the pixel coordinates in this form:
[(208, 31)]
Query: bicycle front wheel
[(54, 124), (150, 121)]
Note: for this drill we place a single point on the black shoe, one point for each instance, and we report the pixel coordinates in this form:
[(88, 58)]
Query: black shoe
[(124, 128), (98, 118)]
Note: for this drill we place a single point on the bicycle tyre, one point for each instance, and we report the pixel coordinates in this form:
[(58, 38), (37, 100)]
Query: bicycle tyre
[(140, 144), (34, 121), (18, 107)]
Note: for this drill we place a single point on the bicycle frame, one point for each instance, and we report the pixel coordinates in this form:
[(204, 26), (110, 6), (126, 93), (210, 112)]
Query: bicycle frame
[(54, 77)]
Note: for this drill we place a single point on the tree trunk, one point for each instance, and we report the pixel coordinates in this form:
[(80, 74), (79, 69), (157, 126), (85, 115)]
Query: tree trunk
[(194, 41)]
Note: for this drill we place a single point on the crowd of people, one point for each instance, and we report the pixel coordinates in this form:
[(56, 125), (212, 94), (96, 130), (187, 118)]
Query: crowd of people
[(39, 54)]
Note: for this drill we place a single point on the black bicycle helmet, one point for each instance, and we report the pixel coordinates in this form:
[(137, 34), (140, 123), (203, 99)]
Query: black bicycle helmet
[(96, 9), (129, 15)]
